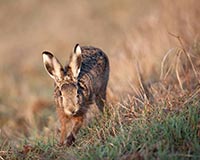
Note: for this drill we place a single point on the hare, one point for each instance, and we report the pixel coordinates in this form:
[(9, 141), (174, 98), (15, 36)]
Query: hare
[(80, 87)]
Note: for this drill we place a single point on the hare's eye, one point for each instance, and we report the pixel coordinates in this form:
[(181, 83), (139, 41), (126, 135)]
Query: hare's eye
[(58, 93), (78, 98), (77, 95)]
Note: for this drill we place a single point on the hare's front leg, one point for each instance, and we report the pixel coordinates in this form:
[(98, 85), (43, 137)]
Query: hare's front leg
[(76, 122), (67, 124), (62, 119)]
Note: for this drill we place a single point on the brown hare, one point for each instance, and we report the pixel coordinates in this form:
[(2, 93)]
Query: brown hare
[(80, 87)]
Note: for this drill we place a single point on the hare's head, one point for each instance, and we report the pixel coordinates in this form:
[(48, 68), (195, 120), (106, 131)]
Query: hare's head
[(66, 95)]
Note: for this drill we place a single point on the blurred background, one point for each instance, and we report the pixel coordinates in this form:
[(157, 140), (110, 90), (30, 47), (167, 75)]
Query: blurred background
[(131, 32)]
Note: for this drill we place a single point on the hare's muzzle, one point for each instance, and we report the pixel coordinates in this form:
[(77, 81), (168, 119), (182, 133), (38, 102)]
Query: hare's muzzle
[(70, 111)]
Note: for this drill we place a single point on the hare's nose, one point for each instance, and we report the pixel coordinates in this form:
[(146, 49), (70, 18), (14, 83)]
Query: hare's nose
[(73, 112)]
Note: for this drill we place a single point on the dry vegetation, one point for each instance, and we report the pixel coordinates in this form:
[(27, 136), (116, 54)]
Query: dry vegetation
[(153, 109)]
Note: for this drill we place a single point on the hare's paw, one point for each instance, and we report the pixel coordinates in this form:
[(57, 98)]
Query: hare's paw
[(70, 140)]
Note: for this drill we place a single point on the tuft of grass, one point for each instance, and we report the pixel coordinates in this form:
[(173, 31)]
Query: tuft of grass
[(175, 135)]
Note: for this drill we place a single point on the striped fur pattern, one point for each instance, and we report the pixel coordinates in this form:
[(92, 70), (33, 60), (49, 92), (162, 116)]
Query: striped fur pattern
[(80, 87)]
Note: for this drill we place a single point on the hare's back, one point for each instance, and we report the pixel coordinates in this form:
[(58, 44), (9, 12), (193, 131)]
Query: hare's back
[(94, 62)]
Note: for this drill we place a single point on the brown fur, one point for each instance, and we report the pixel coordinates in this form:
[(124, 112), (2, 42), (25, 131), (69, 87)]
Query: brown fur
[(80, 87)]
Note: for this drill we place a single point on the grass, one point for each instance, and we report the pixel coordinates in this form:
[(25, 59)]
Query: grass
[(163, 135)]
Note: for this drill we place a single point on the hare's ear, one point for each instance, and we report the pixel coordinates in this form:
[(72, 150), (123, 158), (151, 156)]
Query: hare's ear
[(75, 61), (52, 66)]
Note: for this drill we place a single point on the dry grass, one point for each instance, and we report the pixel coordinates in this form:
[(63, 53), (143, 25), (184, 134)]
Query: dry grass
[(154, 51)]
